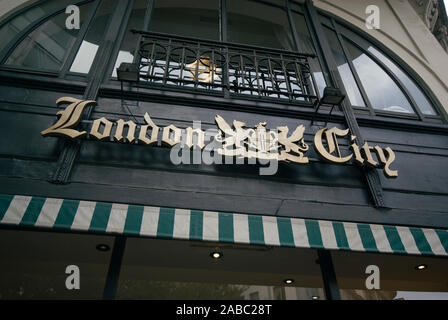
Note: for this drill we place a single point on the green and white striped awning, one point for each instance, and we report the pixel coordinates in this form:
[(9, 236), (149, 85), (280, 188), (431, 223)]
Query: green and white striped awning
[(147, 221)]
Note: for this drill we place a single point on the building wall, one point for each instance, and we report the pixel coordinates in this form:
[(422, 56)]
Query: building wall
[(126, 173)]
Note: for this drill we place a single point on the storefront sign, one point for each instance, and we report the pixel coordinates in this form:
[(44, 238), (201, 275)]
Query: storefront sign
[(235, 141)]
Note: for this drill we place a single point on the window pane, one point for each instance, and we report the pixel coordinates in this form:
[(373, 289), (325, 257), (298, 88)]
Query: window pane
[(33, 264), (184, 270), (9, 31), (258, 24), (398, 277), (422, 102), (306, 46), (383, 92), (129, 43), (197, 19), (47, 47), (344, 70), (90, 45)]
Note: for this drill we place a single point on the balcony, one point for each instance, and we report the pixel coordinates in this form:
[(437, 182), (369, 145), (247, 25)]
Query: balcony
[(224, 69)]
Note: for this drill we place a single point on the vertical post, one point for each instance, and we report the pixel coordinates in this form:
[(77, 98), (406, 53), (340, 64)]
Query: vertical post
[(371, 175), (113, 274), (224, 52), (99, 72), (328, 275)]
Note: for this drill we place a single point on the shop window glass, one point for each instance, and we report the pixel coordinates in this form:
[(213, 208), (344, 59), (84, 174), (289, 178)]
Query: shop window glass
[(47, 46), (95, 35), (129, 43), (399, 278), (350, 85), (33, 265), (253, 23), (422, 102), (184, 270), (197, 19), (382, 91)]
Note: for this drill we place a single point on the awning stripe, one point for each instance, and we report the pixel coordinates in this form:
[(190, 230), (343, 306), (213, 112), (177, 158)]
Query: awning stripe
[(196, 224), (228, 227)]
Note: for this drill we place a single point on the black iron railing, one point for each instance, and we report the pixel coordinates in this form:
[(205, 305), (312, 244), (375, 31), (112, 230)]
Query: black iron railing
[(232, 69)]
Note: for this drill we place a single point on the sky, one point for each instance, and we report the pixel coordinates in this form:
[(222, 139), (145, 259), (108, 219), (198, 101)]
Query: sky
[(446, 5)]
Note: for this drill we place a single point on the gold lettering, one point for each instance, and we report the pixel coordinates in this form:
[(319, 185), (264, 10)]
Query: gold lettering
[(166, 137), (69, 118), (354, 147), (144, 129), (189, 137), (332, 143), (106, 131), (366, 148), (131, 130), (386, 162)]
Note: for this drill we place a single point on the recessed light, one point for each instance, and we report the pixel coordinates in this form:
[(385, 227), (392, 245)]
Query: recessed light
[(216, 255), (288, 281), (315, 297), (421, 267), (102, 247)]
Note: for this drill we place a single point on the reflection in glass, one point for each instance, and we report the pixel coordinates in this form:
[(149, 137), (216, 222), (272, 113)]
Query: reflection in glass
[(253, 23), (184, 270), (90, 44), (33, 264), (10, 30), (306, 45), (398, 278), (350, 85), (197, 19), (129, 43), (422, 102), (383, 92), (47, 47)]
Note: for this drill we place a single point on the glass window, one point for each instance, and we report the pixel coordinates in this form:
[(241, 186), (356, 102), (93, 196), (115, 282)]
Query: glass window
[(184, 270), (420, 99), (197, 19), (129, 43), (399, 277), (47, 47), (90, 44), (344, 69), (253, 23), (306, 46), (13, 28), (33, 264), (383, 92)]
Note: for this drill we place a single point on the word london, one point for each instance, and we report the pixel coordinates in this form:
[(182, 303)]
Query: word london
[(230, 141)]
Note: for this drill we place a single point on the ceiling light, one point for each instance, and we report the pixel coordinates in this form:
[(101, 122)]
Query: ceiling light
[(288, 281), (315, 297), (421, 267), (102, 247), (216, 255)]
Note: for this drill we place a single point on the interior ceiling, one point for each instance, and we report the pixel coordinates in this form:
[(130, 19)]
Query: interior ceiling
[(190, 261)]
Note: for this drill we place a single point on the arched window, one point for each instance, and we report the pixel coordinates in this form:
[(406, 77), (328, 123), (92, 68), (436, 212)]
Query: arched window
[(46, 47), (373, 81)]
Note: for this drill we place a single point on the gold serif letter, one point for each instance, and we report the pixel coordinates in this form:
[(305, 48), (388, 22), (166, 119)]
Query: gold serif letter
[(69, 118), (332, 143)]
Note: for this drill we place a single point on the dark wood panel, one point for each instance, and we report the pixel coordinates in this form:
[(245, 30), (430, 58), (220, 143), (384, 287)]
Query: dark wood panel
[(20, 135)]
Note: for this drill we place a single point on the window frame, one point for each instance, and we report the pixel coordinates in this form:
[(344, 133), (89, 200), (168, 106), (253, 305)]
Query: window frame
[(17, 40), (347, 34)]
